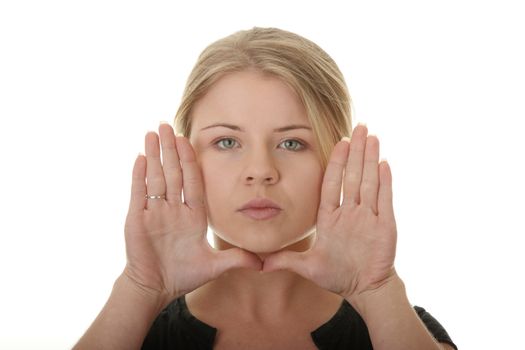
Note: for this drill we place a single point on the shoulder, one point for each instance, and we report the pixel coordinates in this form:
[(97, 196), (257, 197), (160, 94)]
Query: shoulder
[(348, 330), (176, 328)]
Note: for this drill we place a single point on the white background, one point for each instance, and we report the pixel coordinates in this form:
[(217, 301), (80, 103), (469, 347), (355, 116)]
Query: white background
[(440, 83)]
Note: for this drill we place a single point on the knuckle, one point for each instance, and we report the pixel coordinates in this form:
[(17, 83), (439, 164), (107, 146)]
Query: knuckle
[(172, 168), (193, 180), (155, 180), (367, 183), (352, 177), (336, 163)]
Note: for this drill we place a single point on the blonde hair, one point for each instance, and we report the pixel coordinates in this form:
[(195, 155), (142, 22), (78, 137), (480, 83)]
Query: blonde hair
[(299, 62)]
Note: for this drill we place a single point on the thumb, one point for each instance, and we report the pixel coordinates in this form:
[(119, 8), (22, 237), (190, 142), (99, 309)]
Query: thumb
[(233, 258), (288, 260)]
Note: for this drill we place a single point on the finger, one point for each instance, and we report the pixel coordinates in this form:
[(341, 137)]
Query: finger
[(370, 181), (138, 185), (155, 182), (225, 260), (385, 199), (193, 186), (288, 260), (170, 164), (354, 167), (331, 187)]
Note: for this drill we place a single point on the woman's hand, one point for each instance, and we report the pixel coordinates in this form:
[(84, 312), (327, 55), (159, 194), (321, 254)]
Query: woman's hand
[(167, 251), (355, 245)]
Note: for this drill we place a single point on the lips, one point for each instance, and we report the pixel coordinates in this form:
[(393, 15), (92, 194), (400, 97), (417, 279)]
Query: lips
[(260, 209), (261, 213), (258, 203)]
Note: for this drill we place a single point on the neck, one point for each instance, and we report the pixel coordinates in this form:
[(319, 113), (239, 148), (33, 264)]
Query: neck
[(259, 296)]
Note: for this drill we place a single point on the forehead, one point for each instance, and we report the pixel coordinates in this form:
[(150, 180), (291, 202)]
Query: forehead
[(249, 99)]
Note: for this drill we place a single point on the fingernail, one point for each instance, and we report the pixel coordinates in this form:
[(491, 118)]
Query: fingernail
[(361, 123), (164, 122), (346, 139)]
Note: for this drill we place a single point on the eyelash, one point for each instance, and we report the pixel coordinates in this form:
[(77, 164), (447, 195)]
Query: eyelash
[(301, 144)]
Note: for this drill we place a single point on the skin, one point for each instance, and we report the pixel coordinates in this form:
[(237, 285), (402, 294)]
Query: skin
[(355, 248), (238, 166), (258, 162), (281, 273)]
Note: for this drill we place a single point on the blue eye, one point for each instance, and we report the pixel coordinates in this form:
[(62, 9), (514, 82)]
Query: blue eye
[(298, 145), (221, 140), (290, 144)]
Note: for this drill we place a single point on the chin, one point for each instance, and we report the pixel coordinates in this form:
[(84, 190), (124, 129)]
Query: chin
[(265, 244)]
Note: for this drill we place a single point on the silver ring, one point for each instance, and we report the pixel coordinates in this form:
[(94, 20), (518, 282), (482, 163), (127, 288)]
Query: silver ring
[(162, 196)]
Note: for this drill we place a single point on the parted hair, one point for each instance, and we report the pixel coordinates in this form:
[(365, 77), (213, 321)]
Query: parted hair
[(299, 62)]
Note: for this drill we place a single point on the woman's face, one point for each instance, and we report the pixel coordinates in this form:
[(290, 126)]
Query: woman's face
[(250, 158)]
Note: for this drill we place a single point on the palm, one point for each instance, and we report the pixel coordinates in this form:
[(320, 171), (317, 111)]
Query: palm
[(356, 240), (359, 250), (166, 245)]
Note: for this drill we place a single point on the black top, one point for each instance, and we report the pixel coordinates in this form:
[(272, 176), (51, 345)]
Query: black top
[(176, 328)]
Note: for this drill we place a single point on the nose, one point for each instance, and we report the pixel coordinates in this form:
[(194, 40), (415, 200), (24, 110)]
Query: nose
[(260, 169)]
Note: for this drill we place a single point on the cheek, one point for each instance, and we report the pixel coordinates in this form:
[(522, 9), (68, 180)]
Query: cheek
[(217, 180), (307, 186), (300, 183)]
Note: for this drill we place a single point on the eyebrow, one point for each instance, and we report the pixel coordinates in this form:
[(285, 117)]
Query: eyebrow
[(236, 128)]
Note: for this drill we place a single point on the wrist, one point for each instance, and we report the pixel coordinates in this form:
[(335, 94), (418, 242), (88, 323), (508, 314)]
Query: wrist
[(391, 321), (391, 293), (144, 297)]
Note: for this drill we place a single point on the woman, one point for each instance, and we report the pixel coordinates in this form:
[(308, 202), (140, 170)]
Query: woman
[(301, 214)]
